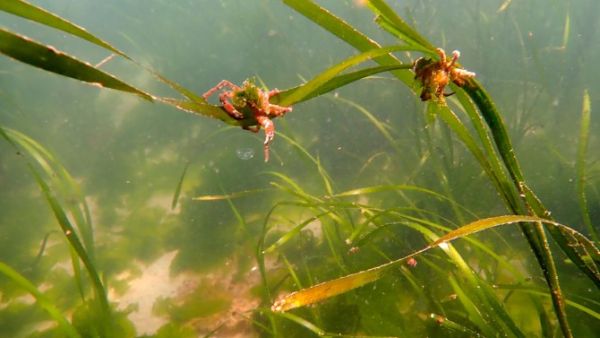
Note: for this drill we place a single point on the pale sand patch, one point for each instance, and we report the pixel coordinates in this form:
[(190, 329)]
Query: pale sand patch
[(154, 282)]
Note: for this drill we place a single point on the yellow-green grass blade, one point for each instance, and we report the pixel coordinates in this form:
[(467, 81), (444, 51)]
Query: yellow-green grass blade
[(347, 33), (584, 133), (329, 289), (31, 12), (390, 21), (473, 312), (59, 211), (344, 284), (304, 323), (293, 232), (496, 172), (71, 235), (570, 302), (454, 326), (178, 187), (49, 58), (65, 184), (204, 109), (327, 181), (382, 127), (238, 194), (338, 81), (66, 327), (327, 75)]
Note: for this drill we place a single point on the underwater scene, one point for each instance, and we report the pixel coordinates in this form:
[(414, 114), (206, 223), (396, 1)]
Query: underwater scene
[(299, 168)]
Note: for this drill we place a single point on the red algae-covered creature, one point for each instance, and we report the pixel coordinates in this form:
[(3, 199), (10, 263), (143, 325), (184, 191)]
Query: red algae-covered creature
[(434, 76), (249, 101)]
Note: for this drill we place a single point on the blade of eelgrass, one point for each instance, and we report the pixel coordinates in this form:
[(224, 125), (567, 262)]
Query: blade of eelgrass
[(537, 292), (347, 33), (293, 232), (494, 121), (304, 323), (49, 58), (584, 132), (339, 81), (344, 284), (534, 233), (60, 214), (382, 127), (229, 196), (327, 181), (71, 235), (473, 313), (28, 11), (178, 187), (65, 183), (454, 326), (42, 300), (497, 172), (322, 78), (390, 21)]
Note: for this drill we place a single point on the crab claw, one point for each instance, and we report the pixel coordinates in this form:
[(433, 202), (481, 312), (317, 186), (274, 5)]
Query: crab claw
[(269, 128)]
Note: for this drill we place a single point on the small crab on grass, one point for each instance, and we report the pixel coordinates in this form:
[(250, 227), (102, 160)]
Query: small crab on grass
[(434, 76), (250, 102)]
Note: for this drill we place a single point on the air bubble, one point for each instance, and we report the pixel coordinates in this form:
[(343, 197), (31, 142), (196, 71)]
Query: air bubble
[(245, 153)]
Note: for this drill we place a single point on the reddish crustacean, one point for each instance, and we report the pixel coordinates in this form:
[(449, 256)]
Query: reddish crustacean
[(434, 76), (249, 101)]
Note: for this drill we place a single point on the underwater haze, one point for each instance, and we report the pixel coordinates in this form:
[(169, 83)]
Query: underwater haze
[(127, 217)]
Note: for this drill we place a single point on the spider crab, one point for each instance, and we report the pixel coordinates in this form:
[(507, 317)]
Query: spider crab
[(434, 76), (249, 101)]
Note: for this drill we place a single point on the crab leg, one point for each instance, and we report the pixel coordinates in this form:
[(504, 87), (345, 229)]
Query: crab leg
[(219, 86), (269, 128), (455, 56), (228, 106)]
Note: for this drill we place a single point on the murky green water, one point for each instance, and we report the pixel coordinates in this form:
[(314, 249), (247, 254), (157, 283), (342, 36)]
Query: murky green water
[(190, 269)]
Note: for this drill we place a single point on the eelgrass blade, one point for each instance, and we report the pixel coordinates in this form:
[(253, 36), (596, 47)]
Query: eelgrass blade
[(540, 293), (71, 235), (382, 127), (66, 327), (497, 127), (347, 33), (303, 322), (453, 326), (534, 233), (344, 284), (338, 81), (473, 312), (64, 181), (329, 289), (59, 211), (31, 12), (390, 21), (49, 58), (178, 187), (584, 132), (496, 170), (325, 177), (205, 109), (293, 232), (229, 196), (504, 6), (320, 80)]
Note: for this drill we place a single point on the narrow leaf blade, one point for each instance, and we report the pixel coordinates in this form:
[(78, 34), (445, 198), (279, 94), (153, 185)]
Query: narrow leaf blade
[(28, 11), (49, 58)]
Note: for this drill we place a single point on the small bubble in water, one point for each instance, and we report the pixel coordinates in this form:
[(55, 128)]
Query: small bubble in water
[(245, 153)]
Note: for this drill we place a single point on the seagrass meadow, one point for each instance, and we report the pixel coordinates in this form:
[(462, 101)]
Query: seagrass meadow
[(424, 169)]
